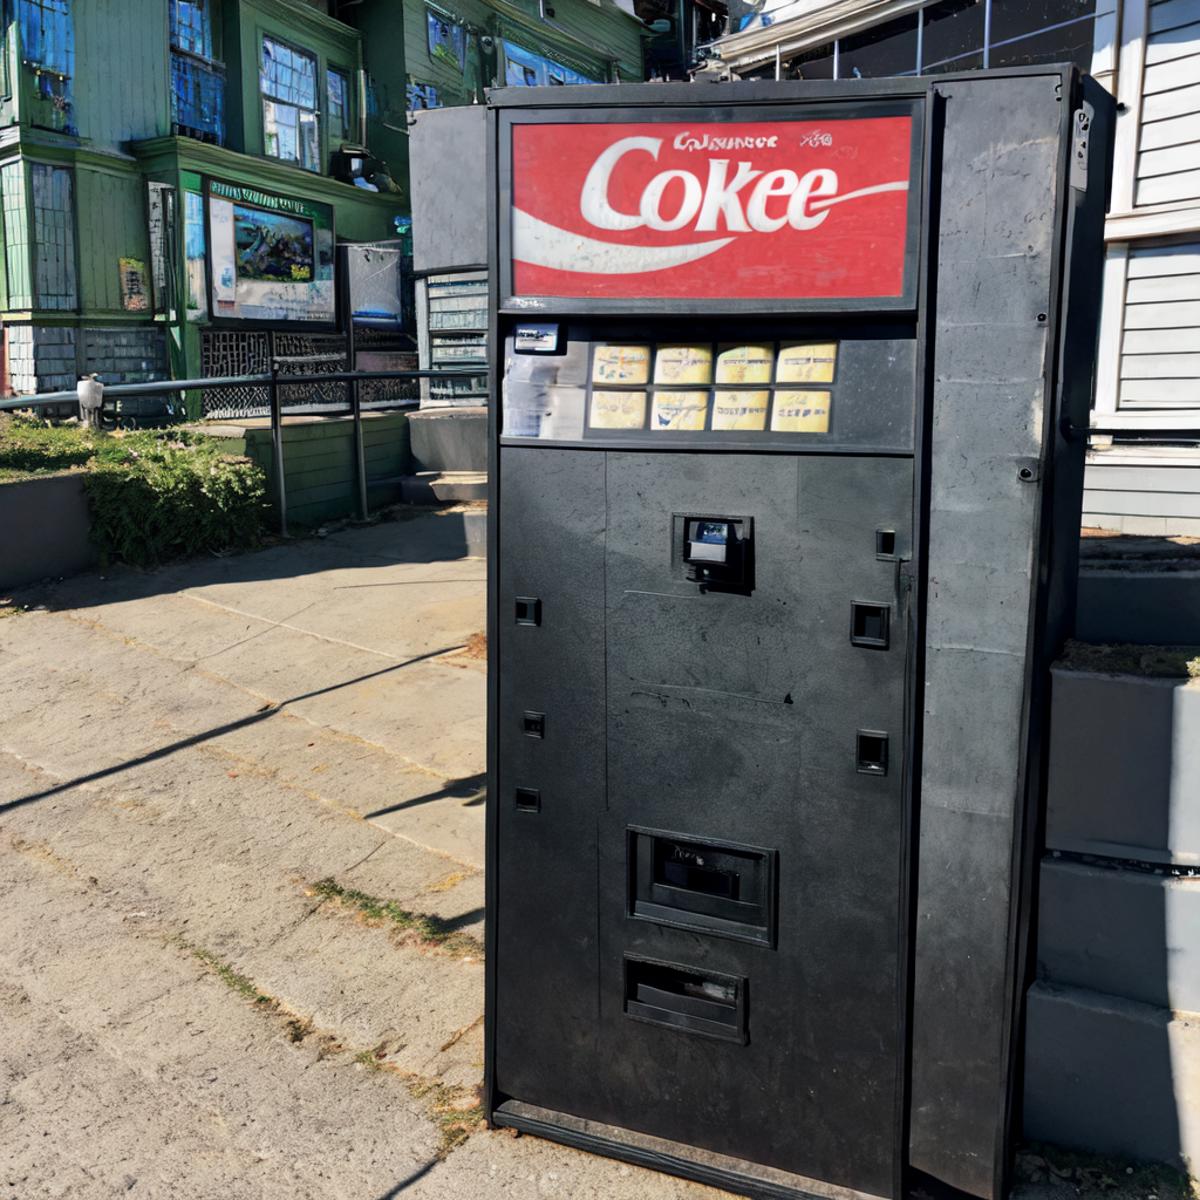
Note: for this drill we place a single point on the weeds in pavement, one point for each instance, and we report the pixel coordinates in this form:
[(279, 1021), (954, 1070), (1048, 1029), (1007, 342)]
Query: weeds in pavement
[(234, 980), (457, 1111), (422, 927)]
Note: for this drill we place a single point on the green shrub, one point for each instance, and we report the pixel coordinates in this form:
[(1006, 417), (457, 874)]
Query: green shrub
[(156, 496), (33, 447), (153, 494)]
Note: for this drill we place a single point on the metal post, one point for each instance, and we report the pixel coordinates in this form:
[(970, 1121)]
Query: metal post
[(277, 433), (360, 459)]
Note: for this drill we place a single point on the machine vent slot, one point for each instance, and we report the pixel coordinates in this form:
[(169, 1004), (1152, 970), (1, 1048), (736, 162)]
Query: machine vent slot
[(686, 999), (709, 887)]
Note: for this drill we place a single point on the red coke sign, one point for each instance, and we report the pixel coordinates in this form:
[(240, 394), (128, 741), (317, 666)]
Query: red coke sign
[(782, 209)]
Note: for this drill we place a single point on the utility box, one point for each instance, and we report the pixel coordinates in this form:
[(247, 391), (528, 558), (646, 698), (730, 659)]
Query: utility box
[(786, 472)]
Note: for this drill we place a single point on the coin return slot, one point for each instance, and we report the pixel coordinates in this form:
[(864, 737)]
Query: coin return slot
[(529, 800), (869, 625), (686, 999), (709, 887), (529, 610), (872, 752), (885, 543), (534, 724)]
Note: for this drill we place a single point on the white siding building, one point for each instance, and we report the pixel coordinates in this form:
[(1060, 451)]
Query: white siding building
[(1144, 461)]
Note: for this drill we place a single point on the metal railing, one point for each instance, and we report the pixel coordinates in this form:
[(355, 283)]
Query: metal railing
[(274, 382)]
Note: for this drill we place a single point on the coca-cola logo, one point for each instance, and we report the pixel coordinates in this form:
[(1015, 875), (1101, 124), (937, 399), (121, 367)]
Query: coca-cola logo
[(640, 199)]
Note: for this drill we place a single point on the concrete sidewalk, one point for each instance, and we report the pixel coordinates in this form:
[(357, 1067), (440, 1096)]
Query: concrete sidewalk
[(241, 847)]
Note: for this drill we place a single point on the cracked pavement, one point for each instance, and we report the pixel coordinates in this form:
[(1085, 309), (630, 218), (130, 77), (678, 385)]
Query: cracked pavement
[(184, 754)]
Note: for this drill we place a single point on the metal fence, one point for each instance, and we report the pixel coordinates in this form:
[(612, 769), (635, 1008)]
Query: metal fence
[(284, 376)]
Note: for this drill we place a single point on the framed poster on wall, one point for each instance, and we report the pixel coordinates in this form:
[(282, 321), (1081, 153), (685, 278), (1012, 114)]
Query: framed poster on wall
[(271, 256)]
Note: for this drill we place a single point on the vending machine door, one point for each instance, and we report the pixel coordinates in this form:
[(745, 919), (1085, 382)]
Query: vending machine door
[(703, 669)]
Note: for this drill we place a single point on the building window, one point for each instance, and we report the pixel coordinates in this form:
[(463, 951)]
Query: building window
[(337, 89), (958, 35), (197, 82), (447, 40), (191, 27), (288, 82), (47, 34), (53, 236), (16, 235)]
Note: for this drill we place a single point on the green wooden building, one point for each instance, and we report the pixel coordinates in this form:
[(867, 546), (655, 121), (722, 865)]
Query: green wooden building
[(176, 175)]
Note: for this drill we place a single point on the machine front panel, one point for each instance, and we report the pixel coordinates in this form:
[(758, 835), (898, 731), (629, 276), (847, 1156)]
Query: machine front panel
[(702, 750)]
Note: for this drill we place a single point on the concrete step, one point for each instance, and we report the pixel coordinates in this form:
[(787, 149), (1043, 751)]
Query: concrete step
[(1144, 590), (1124, 769), (449, 439), (1112, 1075), (443, 487), (1119, 930)]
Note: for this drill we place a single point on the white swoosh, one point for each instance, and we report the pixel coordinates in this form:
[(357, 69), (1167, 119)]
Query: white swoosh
[(901, 185), (541, 244)]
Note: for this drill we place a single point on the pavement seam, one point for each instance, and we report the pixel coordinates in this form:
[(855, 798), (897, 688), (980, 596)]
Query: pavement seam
[(192, 665), (321, 637)]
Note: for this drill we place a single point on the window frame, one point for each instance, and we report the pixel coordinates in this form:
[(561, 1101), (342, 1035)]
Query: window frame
[(348, 109), (264, 98)]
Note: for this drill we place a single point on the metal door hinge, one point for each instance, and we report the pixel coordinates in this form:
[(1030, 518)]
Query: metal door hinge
[(1079, 146)]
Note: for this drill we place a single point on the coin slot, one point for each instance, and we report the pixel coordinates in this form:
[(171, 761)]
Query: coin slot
[(534, 724), (885, 543)]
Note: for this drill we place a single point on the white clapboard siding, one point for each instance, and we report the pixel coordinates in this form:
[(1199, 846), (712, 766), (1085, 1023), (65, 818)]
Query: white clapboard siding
[(1183, 259), (1160, 344), (1160, 393), (1168, 166), (1173, 43), (1169, 161), (1172, 14), (1166, 287), (1178, 131)]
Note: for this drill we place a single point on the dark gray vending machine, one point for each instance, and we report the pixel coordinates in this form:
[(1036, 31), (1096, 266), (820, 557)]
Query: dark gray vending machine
[(786, 474)]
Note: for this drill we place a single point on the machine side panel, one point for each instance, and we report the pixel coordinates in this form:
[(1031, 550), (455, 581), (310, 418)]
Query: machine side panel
[(552, 532), (996, 253)]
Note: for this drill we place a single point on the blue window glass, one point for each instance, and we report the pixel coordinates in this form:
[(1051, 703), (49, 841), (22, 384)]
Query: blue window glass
[(447, 40), (47, 34), (191, 27), (288, 82)]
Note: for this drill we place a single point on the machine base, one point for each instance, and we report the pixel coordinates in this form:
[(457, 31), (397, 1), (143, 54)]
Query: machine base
[(717, 1170)]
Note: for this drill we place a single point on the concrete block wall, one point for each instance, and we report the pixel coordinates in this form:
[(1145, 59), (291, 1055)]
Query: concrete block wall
[(42, 358), (1112, 1056), (50, 358)]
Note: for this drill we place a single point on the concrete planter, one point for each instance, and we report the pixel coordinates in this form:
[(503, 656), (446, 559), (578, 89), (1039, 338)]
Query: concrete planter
[(44, 526)]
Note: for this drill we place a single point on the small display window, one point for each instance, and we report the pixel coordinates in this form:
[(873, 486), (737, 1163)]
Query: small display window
[(747, 393), (801, 412), (683, 364), (740, 410), (745, 364), (806, 362), (621, 364), (679, 410), (617, 410)]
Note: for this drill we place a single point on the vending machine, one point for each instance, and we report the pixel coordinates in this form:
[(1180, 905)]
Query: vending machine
[(786, 469)]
